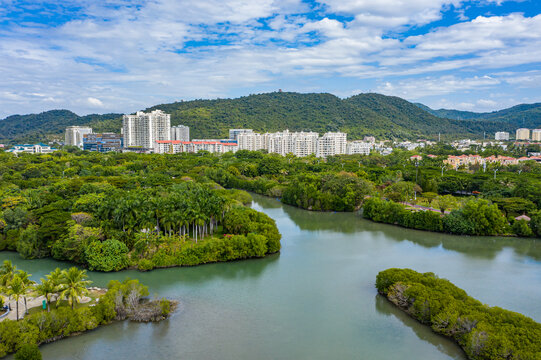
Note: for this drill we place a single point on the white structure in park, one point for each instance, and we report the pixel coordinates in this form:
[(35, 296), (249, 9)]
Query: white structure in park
[(502, 135), (180, 132), (32, 149), (536, 135), (358, 147), (523, 134), (144, 129), (74, 135)]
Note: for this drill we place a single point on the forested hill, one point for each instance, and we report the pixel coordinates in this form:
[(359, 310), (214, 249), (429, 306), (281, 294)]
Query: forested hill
[(524, 115), (39, 127), (360, 115)]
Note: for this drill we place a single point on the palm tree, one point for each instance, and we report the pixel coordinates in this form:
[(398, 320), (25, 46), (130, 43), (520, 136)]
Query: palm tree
[(7, 271), (74, 285), (47, 288), (56, 278), (25, 277), (16, 288)]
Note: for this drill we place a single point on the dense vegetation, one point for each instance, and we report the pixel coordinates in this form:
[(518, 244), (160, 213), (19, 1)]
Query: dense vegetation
[(122, 300), (485, 333), (360, 115), (524, 115), (114, 211)]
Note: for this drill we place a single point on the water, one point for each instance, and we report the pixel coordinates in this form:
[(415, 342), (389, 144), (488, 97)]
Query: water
[(315, 300)]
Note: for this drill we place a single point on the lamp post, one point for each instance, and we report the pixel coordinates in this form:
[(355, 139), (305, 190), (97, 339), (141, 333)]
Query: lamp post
[(495, 170)]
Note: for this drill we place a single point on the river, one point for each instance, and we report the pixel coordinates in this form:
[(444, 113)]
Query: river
[(314, 300)]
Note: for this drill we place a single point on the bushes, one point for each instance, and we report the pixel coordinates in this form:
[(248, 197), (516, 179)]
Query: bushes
[(483, 332), (110, 255), (28, 352)]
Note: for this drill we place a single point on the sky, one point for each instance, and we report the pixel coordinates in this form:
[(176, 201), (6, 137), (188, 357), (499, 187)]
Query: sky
[(121, 56)]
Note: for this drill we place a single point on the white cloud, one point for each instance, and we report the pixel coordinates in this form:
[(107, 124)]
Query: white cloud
[(92, 101)]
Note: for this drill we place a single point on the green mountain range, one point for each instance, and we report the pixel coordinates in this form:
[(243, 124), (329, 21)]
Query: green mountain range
[(364, 114), (524, 115)]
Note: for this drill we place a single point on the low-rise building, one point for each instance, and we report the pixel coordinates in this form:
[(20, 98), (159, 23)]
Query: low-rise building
[(502, 136), (177, 146), (39, 148), (359, 147), (104, 142)]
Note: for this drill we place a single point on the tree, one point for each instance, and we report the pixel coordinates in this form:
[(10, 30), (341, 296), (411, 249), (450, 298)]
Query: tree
[(7, 271), (445, 202), (74, 285), (46, 289), (16, 289), (25, 277), (28, 352), (55, 277)]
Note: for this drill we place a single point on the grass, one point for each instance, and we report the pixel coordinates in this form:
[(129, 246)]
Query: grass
[(93, 295)]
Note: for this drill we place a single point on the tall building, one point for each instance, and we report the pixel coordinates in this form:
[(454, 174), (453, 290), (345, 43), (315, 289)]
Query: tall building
[(502, 135), (523, 134), (74, 135), (144, 129), (180, 132), (251, 141), (331, 143), (103, 142), (358, 147), (233, 133), (536, 135)]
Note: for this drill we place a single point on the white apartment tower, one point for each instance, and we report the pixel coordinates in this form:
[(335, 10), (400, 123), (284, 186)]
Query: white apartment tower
[(74, 135), (523, 134), (144, 129), (233, 133), (536, 135), (180, 132), (502, 135), (331, 143)]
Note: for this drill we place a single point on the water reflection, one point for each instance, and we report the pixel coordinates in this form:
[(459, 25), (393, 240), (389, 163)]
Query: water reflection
[(446, 346), (350, 223)]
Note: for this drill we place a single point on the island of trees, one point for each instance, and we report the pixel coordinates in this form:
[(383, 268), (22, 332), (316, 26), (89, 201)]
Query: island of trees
[(484, 332), (70, 307)]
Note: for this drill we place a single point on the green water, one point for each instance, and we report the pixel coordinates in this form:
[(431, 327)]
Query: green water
[(315, 300)]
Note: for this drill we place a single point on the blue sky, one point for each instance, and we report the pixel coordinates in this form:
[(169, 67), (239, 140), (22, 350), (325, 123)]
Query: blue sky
[(121, 56)]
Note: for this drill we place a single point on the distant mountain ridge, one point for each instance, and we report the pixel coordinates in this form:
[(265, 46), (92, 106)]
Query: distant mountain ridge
[(386, 117), (523, 115)]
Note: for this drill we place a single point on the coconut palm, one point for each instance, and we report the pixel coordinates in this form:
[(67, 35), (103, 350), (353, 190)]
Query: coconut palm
[(16, 289), (74, 285), (46, 289), (56, 278), (7, 271), (25, 277)]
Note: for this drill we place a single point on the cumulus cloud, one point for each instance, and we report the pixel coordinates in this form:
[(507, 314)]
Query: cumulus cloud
[(94, 102)]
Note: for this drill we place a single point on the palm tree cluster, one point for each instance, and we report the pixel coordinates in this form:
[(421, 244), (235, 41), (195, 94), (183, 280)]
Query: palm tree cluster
[(183, 209), (68, 285)]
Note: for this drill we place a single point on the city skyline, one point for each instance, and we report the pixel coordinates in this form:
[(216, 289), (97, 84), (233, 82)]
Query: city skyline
[(95, 58)]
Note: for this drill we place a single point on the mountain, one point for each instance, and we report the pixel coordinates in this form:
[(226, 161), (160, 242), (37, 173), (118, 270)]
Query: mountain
[(524, 115), (40, 127), (360, 115)]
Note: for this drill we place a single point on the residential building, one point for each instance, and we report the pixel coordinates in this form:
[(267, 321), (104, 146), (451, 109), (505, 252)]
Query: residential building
[(523, 134), (39, 148), (502, 136), (331, 143), (103, 142), (359, 147), (180, 132), (536, 135), (369, 139), (142, 130), (251, 141), (74, 135), (233, 133), (177, 146)]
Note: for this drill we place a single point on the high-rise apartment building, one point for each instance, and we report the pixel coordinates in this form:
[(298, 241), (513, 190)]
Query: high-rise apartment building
[(251, 141), (523, 134), (74, 135), (536, 135), (233, 133), (144, 129), (502, 135), (180, 132), (331, 143)]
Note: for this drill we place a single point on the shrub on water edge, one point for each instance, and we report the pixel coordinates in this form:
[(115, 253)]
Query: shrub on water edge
[(28, 352)]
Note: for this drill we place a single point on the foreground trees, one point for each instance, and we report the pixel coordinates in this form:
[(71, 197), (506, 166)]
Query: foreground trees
[(484, 332)]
